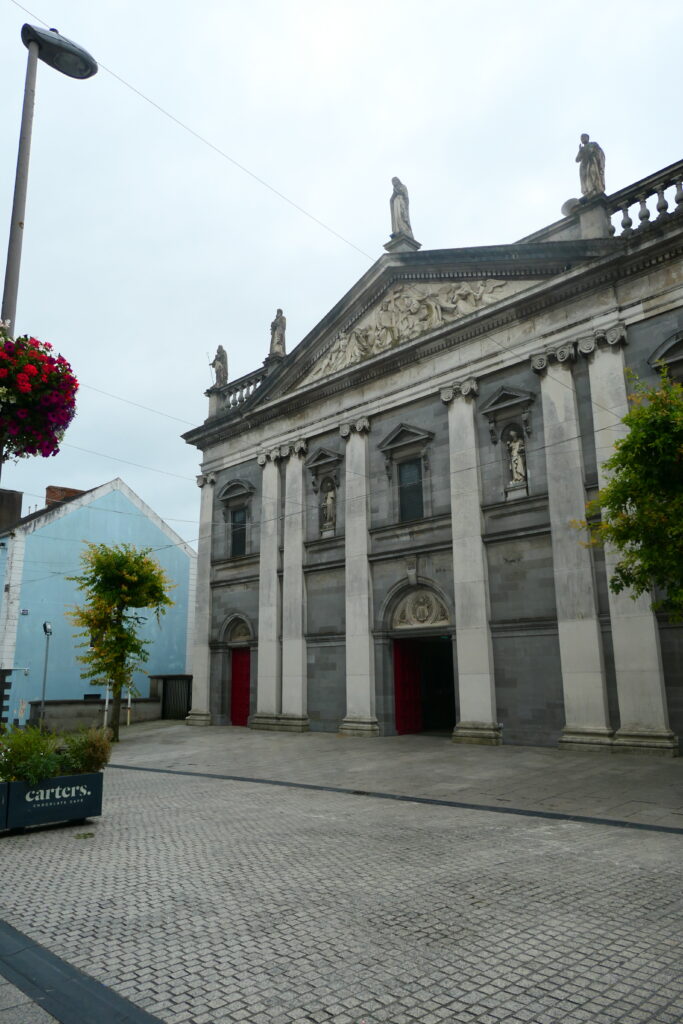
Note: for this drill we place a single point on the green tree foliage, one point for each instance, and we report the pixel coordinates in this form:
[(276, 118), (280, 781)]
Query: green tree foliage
[(119, 582), (641, 507)]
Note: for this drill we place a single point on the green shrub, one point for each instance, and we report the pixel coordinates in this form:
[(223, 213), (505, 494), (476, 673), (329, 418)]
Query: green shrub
[(29, 755), (86, 751)]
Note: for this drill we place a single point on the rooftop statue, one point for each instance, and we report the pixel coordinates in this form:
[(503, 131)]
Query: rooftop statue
[(400, 216), (277, 334), (592, 167), (220, 366)]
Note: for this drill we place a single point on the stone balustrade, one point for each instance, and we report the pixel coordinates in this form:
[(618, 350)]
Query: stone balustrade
[(648, 201), (236, 392)]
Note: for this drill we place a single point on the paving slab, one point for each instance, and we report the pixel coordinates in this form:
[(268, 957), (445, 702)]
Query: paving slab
[(637, 788), (205, 900)]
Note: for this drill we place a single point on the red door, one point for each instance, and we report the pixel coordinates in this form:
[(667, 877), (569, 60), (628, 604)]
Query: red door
[(240, 688), (407, 695)]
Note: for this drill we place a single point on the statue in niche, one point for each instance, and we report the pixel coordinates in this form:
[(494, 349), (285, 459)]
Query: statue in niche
[(220, 366), (591, 159), (517, 457), (400, 216), (277, 334), (328, 506)]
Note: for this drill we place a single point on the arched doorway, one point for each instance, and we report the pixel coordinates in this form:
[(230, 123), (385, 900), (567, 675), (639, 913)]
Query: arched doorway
[(240, 672), (424, 685)]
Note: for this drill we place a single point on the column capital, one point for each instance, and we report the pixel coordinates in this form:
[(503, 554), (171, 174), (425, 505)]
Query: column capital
[(563, 354), (206, 478), (298, 447), (609, 337), (272, 455), (359, 426), (460, 389)]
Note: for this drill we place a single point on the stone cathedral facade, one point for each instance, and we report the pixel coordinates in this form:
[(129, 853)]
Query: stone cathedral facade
[(386, 540)]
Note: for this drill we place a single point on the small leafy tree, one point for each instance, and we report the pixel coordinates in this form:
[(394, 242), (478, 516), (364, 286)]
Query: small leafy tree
[(119, 582), (641, 507)]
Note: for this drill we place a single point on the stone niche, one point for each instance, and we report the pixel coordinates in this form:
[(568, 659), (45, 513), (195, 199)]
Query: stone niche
[(508, 412), (323, 465)]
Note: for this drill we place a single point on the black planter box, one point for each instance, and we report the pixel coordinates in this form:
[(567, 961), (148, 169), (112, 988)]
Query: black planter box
[(64, 798), (4, 786)]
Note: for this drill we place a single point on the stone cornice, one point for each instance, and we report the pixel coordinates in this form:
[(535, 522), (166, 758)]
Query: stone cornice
[(625, 260)]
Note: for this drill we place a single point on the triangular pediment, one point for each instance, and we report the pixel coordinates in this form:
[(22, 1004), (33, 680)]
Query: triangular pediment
[(404, 436), (323, 458), (406, 311), (403, 301), (504, 399), (324, 463)]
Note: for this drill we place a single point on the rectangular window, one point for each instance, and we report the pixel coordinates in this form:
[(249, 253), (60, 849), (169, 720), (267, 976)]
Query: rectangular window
[(410, 490), (238, 532)]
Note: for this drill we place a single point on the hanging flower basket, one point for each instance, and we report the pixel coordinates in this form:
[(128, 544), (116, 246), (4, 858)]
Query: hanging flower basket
[(37, 397)]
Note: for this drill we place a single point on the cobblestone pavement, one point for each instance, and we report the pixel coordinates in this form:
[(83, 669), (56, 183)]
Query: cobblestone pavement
[(646, 789), (208, 901)]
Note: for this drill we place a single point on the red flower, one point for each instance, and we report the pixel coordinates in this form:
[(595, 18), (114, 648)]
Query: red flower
[(43, 390)]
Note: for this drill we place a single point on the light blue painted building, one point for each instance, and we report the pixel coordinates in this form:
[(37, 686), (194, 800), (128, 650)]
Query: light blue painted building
[(41, 550)]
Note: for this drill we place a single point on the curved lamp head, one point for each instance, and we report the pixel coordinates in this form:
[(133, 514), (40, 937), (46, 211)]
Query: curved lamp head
[(60, 53)]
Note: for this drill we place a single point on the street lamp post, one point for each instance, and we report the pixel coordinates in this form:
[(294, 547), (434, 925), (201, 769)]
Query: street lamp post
[(47, 630), (63, 55)]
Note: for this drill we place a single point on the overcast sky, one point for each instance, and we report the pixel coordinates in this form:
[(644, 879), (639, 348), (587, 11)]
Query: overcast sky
[(145, 248)]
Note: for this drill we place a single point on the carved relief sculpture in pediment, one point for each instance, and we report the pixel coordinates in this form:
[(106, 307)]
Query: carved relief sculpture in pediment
[(239, 632), (420, 607), (408, 310)]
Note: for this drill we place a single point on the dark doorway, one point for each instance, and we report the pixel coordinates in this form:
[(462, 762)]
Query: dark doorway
[(176, 699), (240, 688), (423, 685)]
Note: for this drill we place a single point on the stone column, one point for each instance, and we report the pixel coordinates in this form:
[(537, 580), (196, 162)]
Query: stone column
[(360, 719), (583, 670), (294, 717), (635, 635), (476, 683), (269, 680), (200, 713)]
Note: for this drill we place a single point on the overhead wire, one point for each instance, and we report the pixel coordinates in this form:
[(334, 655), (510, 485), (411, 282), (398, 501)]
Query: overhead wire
[(313, 507), (216, 149), (138, 405), (300, 209)]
